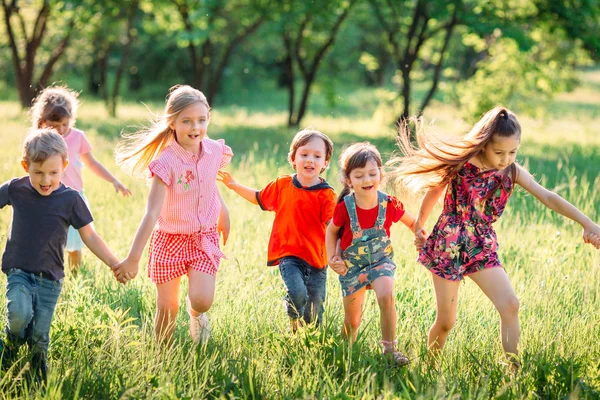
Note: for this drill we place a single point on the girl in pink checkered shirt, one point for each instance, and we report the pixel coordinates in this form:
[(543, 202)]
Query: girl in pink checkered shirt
[(184, 205)]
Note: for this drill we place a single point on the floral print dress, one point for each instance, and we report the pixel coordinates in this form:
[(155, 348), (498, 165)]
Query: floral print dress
[(463, 240)]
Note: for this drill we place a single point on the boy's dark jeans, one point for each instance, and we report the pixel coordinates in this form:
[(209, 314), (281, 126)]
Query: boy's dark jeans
[(31, 301), (306, 289)]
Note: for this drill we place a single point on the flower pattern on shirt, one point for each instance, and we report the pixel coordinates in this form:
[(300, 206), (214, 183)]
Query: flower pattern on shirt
[(186, 179)]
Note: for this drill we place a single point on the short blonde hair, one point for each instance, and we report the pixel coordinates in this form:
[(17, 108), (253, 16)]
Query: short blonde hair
[(54, 104), (305, 136), (42, 144)]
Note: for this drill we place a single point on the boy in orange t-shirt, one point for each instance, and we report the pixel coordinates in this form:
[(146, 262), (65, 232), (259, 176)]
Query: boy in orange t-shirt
[(303, 204)]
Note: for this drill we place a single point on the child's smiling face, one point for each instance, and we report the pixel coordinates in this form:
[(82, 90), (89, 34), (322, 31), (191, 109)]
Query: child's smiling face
[(365, 180), (309, 161), (45, 176), (191, 125)]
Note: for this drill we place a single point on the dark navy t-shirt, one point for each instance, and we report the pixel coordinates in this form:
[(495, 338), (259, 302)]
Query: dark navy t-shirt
[(38, 233)]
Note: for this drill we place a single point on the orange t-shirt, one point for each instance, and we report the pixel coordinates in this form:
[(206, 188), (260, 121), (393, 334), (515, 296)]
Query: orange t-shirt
[(301, 217)]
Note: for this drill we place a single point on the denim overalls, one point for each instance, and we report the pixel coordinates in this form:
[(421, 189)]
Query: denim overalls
[(369, 256)]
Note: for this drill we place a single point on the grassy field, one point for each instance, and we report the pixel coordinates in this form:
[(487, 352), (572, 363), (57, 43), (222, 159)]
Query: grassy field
[(102, 342)]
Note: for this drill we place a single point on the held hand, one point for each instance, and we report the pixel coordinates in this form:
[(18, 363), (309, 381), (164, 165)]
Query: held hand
[(120, 188), (125, 271), (420, 237), (338, 265), (223, 226), (591, 234), (226, 178)]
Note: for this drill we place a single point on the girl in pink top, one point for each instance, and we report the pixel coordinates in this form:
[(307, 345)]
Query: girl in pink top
[(56, 107), (184, 205)]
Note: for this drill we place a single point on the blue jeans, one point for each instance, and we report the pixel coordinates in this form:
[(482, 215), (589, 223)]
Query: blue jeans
[(31, 301), (306, 288)]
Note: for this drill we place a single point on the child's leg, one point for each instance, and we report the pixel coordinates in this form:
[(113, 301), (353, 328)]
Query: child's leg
[(446, 297), (316, 287), (384, 290), (292, 273), (43, 310), (353, 306), (495, 284), (167, 306), (19, 305), (74, 260), (201, 291)]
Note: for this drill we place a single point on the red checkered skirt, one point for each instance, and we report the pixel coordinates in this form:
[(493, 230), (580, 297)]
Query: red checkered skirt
[(172, 255)]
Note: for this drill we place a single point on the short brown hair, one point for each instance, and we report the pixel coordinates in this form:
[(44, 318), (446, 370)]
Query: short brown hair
[(42, 144), (305, 136)]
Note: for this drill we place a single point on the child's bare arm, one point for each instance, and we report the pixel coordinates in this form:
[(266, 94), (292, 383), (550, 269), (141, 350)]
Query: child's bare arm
[(331, 247), (128, 268), (246, 192), (554, 202), (97, 168), (223, 224), (427, 204), (420, 235), (94, 242)]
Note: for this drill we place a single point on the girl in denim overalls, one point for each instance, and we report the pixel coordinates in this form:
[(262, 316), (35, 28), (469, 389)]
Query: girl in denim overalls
[(362, 221)]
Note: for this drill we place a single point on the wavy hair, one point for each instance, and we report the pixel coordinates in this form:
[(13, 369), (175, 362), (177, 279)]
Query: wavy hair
[(53, 104)]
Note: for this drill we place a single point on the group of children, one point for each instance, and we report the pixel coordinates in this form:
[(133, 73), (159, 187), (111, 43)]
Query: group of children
[(185, 215)]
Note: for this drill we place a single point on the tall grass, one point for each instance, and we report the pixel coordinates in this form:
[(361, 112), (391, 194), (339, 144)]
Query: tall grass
[(102, 342)]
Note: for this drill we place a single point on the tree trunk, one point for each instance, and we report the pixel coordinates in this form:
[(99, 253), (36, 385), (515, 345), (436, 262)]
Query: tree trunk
[(124, 58)]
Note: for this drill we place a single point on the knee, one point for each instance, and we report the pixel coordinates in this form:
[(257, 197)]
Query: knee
[(385, 299), (445, 323), (19, 316), (352, 322), (510, 307), (167, 308), (298, 296), (200, 302)]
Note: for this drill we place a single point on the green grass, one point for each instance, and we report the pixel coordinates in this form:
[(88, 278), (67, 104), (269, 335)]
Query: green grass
[(102, 343)]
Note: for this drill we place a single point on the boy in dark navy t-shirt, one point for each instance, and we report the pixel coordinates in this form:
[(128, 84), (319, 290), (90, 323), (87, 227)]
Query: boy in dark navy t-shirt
[(43, 210)]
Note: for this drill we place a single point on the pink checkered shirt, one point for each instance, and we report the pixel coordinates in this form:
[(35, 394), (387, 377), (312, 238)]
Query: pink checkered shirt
[(191, 204)]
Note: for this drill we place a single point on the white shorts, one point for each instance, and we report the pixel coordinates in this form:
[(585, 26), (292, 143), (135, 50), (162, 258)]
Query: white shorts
[(74, 242)]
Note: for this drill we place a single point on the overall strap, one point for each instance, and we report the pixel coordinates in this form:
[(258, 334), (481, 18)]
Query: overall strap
[(351, 208), (382, 200)]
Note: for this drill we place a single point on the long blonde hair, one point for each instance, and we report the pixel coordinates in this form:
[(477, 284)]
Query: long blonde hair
[(141, 148), (53, 104), (436, 160)]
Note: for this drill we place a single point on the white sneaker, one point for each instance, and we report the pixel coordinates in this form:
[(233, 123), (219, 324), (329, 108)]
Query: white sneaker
[(199, 326)]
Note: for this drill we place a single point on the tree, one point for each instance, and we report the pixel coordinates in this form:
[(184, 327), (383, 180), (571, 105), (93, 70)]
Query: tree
[(408, 35), (302, 20), (211, 32), (25, 46)]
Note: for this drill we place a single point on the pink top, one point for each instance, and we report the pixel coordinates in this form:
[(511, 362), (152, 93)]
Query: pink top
[(77, 144), (192, 203)]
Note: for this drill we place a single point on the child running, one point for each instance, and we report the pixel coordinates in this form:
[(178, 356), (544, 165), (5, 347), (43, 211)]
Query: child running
[(185, 201), (478, 173), (363, 216), (303, 204), (56, 107), (43, 210)]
